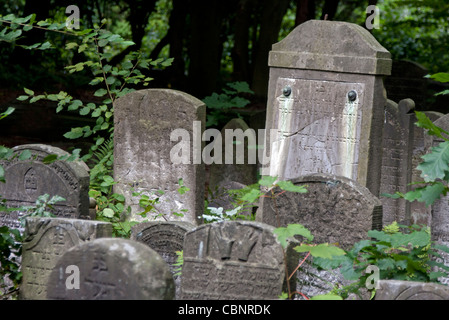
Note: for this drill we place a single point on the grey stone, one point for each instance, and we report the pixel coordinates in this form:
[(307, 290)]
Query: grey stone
[(26, 180), (112, 269), (410, 290), (46, 240), (335, 209), (319, 127), (234, 260), (144, 121), (166, 238), (397, 160)]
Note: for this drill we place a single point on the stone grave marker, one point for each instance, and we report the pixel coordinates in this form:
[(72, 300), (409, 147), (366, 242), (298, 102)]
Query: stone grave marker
[(326, 100), (46, 240), (166, 238), (157, 141), (410, 290), (111, 269), (239, 155), (26, 180), (422, 142), (235, 260), (397, 145)]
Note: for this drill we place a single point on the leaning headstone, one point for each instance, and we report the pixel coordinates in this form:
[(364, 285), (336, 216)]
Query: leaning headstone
[(335, 209), (397, 144), (410, 290), (235, 260), (326, 100), (422, 142), (238, 149), (157, 141), (26, 180), (111, 269), (166, 238), (46, 240)]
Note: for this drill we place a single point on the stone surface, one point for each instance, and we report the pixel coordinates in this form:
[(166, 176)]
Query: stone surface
[(144, 122), (335, 209), (410, 290), (46, 240), (166, 238), (234, 260), (26, 180), (397, 160), (320, 122), (113, 269), (243, 167)]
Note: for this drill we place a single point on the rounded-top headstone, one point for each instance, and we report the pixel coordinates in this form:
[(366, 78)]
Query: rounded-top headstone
[(111, 269)]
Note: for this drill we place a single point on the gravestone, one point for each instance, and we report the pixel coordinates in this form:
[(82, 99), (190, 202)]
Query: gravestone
[(335, 209), (26, 180), (166, 238), (440, 208), (148, 126), (397, 146), (242, 167), (410, 290), (326, 100), (422, 142), (111, 269), (46, 240), (234, 260), (407, 81)]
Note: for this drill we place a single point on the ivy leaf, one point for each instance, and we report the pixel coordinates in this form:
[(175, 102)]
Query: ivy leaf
[(435, 164)]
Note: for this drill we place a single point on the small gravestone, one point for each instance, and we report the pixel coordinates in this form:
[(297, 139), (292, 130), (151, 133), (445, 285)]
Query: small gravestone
[(166, 238), (26, 180), (238, 149), (46, 240), (157, 142), (235, 260), (111, 269), (397, 146), (326, 100), (335, 209), (410, 290)]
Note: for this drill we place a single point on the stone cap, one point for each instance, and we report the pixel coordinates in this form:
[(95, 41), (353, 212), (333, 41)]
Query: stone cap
[(331, 46)]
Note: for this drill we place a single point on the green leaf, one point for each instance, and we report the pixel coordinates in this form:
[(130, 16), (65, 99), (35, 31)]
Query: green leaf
[(25, 155), (292, 230), (431, 193), (84, 111), (327, 296), (289, 186), (74, 133), (267, 181), (435, 164), (103, 42), (100, 92), (108, 213), (7, 112), (50, 158), (29, 92), (22, 98), (440, 77), (71, 45), (425, 123), (323, 250)]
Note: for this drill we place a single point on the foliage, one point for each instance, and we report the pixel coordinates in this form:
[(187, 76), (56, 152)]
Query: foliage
[(10, 250), (179, 262), (220, 105), (406, 254), (42, 208)]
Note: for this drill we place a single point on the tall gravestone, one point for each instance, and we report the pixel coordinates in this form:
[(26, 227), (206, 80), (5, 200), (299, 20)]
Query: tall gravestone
[(152, 128), (238, 142), (422, 142), (166, 238), (397, 145), (326, 100), (111, 269), (26, 180), (46, 240), (235, 260), (440, 208)]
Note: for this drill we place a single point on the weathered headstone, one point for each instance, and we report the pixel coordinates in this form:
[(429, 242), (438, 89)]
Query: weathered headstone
[(238, 142), (166, 238), (326, 99), (410, 290), (397, 145), (422, 142), (148, 125), (335, 209), (26, 180), (46, 240), (111, 269), (407, 81), (234, 260)]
